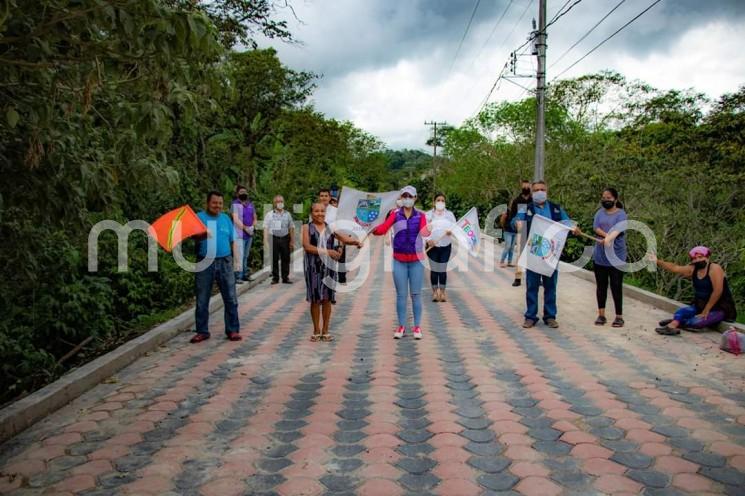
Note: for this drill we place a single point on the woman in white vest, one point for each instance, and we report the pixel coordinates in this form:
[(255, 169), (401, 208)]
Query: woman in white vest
[(440, 221)]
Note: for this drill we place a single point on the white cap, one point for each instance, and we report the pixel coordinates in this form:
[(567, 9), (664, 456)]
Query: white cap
[(409, 189)]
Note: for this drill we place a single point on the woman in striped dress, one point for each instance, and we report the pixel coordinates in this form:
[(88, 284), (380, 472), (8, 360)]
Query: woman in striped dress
[(321, 253)]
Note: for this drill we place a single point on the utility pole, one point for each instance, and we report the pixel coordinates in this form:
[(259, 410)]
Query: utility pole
[(540, 93), (434, 125)]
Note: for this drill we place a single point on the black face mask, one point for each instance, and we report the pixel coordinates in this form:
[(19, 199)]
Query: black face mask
[(701, 264), (608, 204), (526, 191), (243, 197)]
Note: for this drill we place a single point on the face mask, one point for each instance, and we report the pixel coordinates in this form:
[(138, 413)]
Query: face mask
[(280, 206), (408, 202), (539, 197), (526, 191), (243, 197), (399, 203), (701, 264), (608, 204), (440, 206)]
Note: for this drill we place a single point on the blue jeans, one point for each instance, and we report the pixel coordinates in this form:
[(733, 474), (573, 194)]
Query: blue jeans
[(534, 280), (509, 245), (220, 271), (407, 277), (244, 251), (687, 318)]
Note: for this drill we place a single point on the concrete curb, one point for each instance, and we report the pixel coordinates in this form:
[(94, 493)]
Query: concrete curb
[(23, 413), (661, 302)]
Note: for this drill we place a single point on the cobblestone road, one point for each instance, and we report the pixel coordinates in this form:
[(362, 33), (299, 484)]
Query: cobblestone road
[(479, 406)]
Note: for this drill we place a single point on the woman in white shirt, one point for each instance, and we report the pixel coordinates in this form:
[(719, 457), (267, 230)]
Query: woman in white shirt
[(440, 221)]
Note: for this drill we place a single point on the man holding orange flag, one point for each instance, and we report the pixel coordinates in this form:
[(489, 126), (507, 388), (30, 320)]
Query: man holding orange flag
[(220, 244)]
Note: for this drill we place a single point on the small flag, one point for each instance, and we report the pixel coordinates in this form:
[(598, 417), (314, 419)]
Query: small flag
[(172, 228), (467, 231)]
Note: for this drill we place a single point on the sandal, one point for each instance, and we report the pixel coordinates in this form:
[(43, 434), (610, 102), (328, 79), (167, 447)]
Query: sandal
[(327, 337), (665, 322), (617, 322), (601, 320), (667, 331), (315, 337)]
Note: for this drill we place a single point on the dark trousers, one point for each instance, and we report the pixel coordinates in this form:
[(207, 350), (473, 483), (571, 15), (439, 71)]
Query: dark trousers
[(343, 260), (281, 253), (439, 256), (220, 271), (603, 276), (534, 281)]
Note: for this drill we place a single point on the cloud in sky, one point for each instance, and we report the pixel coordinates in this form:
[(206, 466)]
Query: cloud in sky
[(386, 64)]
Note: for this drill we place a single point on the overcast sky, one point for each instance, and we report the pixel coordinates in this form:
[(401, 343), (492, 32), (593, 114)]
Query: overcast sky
[(389, 65)]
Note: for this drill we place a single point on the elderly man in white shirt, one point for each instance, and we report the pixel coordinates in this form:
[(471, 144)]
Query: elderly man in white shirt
[(279, 230)]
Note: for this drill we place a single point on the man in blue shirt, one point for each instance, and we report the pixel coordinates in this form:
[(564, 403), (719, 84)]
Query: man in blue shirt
[(541, 206), (219, 244)]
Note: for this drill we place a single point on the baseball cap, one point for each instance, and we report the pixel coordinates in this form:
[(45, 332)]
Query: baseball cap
[(409, 189)]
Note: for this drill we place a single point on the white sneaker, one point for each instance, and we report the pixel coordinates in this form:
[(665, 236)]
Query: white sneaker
[(417, 332), (399, 332)]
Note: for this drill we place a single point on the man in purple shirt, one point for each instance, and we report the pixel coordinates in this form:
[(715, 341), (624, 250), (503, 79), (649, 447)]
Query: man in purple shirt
[(244, 219)]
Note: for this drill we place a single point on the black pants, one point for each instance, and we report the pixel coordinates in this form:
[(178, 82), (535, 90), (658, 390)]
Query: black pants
[(439, 255), (281, 252), (604, 275), (343, 259)]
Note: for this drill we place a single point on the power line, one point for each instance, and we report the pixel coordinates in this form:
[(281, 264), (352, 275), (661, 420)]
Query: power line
[(494, 30), (587, 33), (559, 11), (608, 38), (501, 77), (506, 64), (468, 27), (494, 87), (514, 27), (560, 14)]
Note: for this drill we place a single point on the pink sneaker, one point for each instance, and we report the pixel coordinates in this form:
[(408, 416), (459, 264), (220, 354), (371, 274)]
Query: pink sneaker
[(417, 332), (399, 332)]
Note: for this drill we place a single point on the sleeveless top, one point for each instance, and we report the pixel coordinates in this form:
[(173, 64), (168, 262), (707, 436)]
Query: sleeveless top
[(703, 288), (406, 238)]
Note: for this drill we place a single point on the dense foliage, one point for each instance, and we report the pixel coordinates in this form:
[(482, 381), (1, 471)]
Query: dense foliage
[(677, 159), (124, 109)]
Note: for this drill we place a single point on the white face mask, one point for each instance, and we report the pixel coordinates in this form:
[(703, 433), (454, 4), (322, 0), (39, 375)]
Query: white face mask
[(539, 197), (280, 206), (399, 203), (440, 206), (408, 202)]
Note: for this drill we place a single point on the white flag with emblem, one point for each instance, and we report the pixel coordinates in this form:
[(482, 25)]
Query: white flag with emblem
[(544, 246), (360, 211)]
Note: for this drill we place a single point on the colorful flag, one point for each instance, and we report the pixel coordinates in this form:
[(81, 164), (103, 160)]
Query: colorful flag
[(544, 246), (467, 231), (366, 210), (177, 225)]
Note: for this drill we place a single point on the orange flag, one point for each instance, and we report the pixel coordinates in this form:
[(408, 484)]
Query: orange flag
[(177, 225)]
